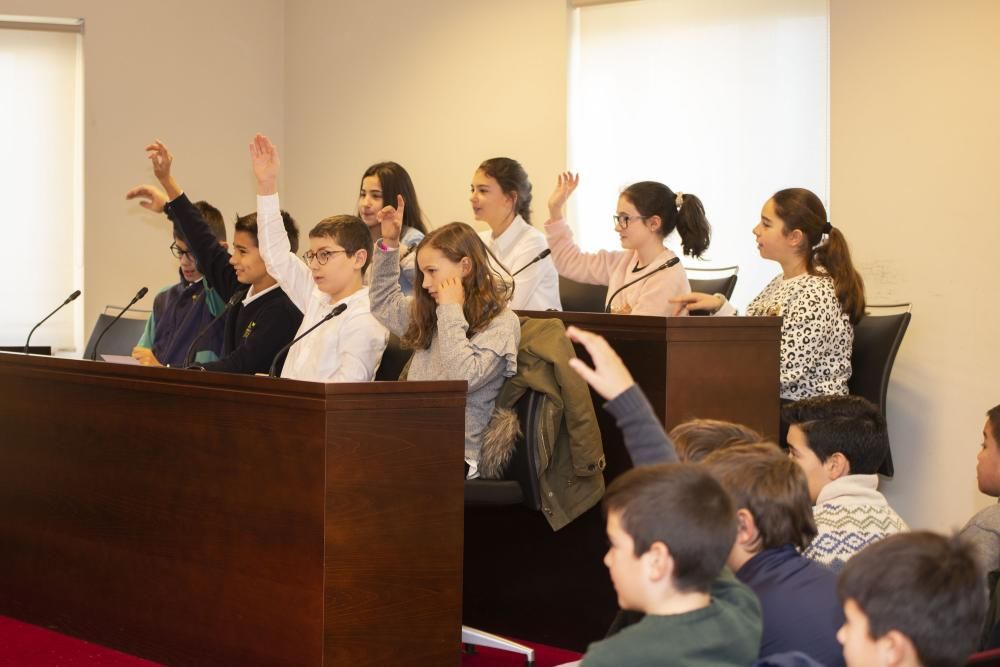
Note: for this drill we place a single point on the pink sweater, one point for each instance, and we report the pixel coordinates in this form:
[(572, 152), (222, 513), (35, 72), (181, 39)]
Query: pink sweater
[(614, 268)]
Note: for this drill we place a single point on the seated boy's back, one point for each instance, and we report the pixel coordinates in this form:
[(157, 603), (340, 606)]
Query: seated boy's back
[(727, 632)]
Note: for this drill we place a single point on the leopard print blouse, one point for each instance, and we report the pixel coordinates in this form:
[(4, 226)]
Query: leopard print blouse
[(816, 335)]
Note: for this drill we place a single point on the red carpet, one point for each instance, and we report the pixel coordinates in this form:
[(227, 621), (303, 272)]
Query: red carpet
[(23, 645)]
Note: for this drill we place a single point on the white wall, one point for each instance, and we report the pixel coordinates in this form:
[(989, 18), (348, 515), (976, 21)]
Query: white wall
[(914, 155), (194, 74)]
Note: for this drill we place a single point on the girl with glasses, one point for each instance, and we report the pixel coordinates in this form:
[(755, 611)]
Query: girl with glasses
[(647, 213)]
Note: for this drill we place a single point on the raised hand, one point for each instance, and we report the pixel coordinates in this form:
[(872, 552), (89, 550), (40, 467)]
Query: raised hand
[(451, 291), (696, 301), (264, 156), (565, 185), (608, 377), (162, 161), (391, 220), (150, 197)]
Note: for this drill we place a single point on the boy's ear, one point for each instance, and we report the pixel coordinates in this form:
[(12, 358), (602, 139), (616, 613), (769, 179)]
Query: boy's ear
[(360, 257), (747, 534), (897, 648), (837, 466), (660, 562)]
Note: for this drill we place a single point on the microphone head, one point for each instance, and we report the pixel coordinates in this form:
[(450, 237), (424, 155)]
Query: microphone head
[(545, 253), (670, 262), (338, 310), (141, 293), (73, 296)]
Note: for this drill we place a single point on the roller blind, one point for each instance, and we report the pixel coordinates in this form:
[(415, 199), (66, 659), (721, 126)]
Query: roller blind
[(41, 171), (725, 99)]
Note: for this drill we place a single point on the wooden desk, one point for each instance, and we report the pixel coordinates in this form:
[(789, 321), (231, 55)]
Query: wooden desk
[(523, 580), (202, 518)]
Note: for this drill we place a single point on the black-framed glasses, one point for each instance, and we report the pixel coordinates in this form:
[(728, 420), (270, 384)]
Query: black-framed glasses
[(321, 257), (180, 254), (623, 220)]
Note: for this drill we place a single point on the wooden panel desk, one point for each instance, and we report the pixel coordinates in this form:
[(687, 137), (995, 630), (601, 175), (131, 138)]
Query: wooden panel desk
[(523, 580), (201, 518)]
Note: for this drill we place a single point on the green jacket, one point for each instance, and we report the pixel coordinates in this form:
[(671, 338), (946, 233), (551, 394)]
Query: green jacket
[(571, 454)]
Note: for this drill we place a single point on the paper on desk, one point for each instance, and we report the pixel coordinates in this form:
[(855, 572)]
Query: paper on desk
[(120, 359)]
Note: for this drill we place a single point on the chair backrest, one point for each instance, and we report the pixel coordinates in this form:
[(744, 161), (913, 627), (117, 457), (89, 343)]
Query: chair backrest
[(720, 280), (876, 341), (120, 339), (520, 482), (581, 297), (393, 360)]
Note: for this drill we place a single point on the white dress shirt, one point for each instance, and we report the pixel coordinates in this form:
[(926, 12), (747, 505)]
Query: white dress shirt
[(537, 287), (347, 348)]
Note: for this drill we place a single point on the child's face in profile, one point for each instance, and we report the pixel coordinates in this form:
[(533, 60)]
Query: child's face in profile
[(626, 569), (246, 259), (188, 266), (860, 648), (988, 463), (370, 200), (801, 453), (490, 204), (637, 233)]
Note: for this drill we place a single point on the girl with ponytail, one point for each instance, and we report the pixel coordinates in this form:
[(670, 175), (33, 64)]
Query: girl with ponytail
[(648, 212), (819, 294)]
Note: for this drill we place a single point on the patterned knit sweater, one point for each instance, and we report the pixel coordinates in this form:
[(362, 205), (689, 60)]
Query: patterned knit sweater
[(850, 514)]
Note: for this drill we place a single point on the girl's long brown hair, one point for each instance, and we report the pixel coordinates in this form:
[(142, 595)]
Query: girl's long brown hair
[(486, 293), (800, 209)]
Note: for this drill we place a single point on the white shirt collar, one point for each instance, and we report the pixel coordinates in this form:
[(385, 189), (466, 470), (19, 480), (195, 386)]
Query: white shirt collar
[(509, 236), (253, 296)]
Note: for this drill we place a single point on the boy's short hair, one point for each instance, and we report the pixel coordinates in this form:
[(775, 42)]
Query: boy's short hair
[(349, 231), (248, 224), (993, 414), (772, 487), (213, 218), (850, 425), (684, 507), (697, 438), (924, 585)]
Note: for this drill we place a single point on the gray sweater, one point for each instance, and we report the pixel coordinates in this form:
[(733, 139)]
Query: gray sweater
[(645, 439), (485, 360)]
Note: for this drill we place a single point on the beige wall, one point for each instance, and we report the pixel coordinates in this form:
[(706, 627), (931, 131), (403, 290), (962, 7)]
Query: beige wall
[(438, 86), (915, 141), (441, 85), (200, 76)]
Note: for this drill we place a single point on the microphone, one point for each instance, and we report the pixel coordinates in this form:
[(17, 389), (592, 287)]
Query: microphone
[(233, 300), (71, 297), (138, 295), (329, 316), (666, 265), (539, 257)]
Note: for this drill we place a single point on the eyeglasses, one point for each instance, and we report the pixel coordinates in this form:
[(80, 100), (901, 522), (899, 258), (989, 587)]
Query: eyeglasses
[(180, 254), (321, 257), (623, 220)]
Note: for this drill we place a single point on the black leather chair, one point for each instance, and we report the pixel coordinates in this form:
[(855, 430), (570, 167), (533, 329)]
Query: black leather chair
[(518, 487), (876, 341), (393, 360), (719, 284), (581, 297), (121, 338)]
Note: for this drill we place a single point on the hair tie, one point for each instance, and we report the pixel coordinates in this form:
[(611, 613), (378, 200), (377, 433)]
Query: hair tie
[(827, 228), (679, 199)]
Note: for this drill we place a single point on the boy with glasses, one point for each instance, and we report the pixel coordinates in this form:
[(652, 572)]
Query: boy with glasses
[(182, 310)]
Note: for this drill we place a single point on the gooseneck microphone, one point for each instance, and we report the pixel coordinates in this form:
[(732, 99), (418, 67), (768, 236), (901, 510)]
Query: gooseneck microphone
[(666, 265), (138, 295), (233, 300), (71, 297), (539, 257), (329, 316)]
